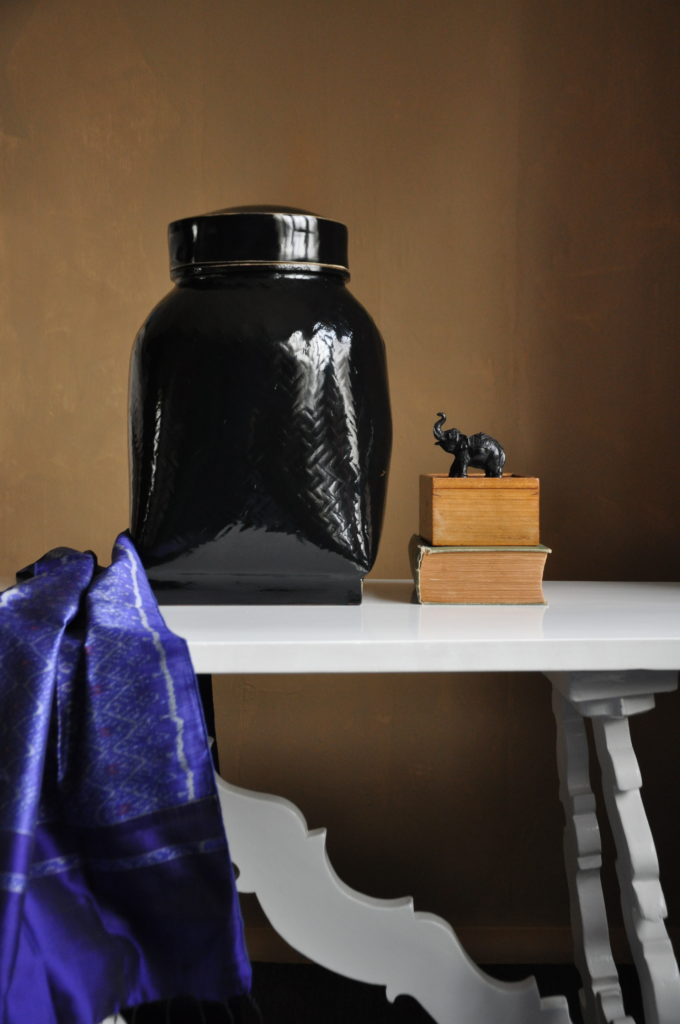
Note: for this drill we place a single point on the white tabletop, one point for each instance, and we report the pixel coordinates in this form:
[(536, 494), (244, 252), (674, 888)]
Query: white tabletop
[(613, 626)]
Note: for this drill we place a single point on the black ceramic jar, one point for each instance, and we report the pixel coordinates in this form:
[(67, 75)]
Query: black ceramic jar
[(259, 416)]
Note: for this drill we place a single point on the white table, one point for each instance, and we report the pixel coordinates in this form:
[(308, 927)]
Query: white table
[(607, 649)]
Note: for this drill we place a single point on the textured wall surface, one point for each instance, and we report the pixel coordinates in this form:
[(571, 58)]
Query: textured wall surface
[(510, 175)]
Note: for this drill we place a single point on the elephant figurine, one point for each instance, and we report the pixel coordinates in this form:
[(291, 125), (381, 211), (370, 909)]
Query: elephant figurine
[(478, 450)]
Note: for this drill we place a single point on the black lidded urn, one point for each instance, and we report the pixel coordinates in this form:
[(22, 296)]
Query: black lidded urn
[(260, 427)]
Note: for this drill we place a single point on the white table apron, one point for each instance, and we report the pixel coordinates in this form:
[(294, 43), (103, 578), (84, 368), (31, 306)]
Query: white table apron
[(607, 648)]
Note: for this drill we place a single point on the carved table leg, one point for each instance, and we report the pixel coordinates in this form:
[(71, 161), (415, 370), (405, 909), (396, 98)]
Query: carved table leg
[(637, 867), (601, 995), (608, 698), (383, 942)]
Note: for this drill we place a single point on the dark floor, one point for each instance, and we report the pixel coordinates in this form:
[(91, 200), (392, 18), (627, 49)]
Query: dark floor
[(298, 994), (306, 994)]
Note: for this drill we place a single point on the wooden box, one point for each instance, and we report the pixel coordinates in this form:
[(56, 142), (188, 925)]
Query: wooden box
[(479, 510)]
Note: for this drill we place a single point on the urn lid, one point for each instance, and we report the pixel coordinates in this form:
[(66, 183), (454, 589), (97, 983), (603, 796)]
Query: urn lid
[(257, 235)]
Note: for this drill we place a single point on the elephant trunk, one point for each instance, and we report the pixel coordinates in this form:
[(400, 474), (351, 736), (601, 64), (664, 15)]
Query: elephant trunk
[(437, 429)]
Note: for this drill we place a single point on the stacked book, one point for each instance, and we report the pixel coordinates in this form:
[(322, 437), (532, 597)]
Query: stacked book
[(478, 541)]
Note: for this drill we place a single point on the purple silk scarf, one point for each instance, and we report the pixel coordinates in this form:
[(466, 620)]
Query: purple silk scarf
[(116, 886)]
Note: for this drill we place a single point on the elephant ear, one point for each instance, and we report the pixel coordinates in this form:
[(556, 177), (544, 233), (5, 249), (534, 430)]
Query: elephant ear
[(317, 473)]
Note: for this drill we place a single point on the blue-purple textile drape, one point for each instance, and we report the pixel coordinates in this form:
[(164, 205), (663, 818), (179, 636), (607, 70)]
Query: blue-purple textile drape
[(116, 886)]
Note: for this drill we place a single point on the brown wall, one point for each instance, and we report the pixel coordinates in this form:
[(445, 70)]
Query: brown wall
[(510, 174)]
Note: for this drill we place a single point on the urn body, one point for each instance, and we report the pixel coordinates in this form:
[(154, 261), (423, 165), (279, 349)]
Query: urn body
[(260, 429)]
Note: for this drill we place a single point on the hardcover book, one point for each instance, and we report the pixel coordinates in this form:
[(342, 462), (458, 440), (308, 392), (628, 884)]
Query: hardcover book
[(476, 574)]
